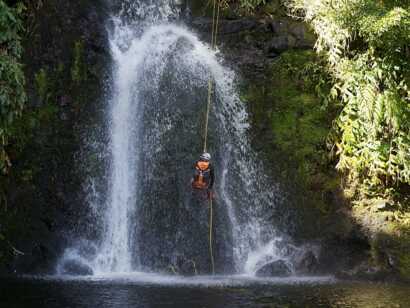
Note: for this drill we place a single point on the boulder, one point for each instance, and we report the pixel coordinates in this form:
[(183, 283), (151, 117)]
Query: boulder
[(366, 272), (186, 267), (277, 268), (76, 268), (279, 27), (226, 26), (298, 30), (236, 26), (280, 43), (182, 266), (308, 263)]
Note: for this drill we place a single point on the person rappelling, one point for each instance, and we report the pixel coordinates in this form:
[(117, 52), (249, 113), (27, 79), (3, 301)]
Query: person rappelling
[(204, 176), (202, 185)]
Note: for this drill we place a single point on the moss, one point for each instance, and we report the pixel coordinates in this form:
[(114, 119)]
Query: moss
[(388, 227), (29, 139), (299, 123), (42, 85), (201, 8), (78, 71), (237, 9), (272, 7), (402, 250), (391, 252), (291, 121)]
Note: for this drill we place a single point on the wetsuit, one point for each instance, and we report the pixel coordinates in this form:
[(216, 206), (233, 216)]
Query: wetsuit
[(208, 176)]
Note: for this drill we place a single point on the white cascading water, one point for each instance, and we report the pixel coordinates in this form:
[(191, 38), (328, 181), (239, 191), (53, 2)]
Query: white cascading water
[(129, 52), (141, 42)]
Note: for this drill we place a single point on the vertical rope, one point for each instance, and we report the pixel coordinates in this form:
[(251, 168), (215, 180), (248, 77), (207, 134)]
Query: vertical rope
[(208, 110), (211, 252), (215, 23)]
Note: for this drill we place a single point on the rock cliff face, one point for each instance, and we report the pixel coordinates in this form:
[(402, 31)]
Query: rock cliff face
[(283, 83), (65, 64), (274, 57)]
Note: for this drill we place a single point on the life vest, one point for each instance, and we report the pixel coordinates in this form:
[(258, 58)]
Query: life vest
[(202, 175)]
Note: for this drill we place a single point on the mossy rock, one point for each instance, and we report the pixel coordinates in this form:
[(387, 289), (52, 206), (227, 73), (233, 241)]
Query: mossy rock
[(391, 252), (272, 7), (290, 123), (389, 231)]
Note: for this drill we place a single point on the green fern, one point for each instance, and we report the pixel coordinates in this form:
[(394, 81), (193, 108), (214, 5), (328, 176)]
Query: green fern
[(12, 81), (366, 45)]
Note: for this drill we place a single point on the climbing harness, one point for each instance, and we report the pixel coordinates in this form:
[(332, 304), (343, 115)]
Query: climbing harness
[(202, 171), (215, 24)]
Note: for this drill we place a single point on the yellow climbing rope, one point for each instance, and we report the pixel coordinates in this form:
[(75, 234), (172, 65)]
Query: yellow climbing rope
[(211, 253), (215, 24)]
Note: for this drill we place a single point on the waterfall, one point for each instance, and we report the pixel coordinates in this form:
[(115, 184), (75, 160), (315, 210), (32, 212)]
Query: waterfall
[(160, 73), (129, 51)]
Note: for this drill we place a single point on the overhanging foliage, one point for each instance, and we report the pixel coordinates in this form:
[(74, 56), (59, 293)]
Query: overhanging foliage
[(367, 44), (12, 81)]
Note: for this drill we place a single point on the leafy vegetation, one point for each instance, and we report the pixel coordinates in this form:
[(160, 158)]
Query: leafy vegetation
[(247, 5), (300, 124), (364, 92), (358, 82), (12, 81), (78, 71), (290, 124), (366, 45)]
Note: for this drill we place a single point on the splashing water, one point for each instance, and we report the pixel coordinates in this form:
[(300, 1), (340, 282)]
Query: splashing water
[(160, 75)]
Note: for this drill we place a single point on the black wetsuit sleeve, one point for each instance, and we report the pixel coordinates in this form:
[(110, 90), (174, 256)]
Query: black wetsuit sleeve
[(212, 177)]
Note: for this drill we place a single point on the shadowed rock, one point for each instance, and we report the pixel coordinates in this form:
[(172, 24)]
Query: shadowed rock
[(308, 263), (76, 268), (275, 269), (183, 266)]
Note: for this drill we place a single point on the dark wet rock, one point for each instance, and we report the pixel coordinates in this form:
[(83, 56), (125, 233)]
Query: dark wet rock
[(180, 265), (226, 26), (308, 263), (277, 268), (46, 182), (281, 43), (76, 268), (299, 30), (235, 26), (249, 44), (184, 266), (339, 254), (366, 271), (279, 26)]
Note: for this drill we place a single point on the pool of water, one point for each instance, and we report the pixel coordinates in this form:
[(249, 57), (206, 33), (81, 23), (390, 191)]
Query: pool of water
[(149, 290)]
